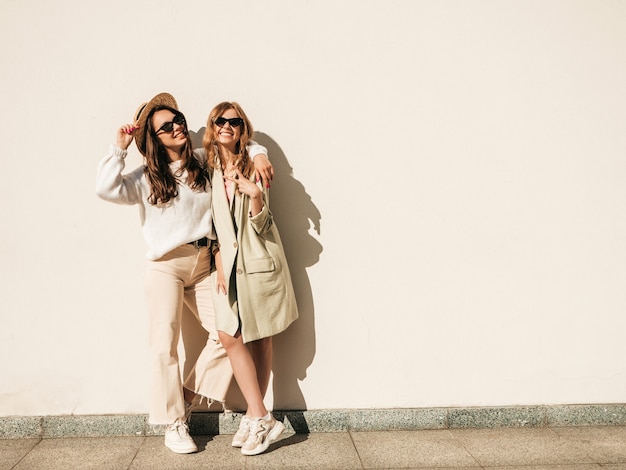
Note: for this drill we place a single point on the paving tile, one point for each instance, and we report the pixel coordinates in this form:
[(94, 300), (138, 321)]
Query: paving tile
[(574, 466), (13, 450), (81, 453), (411, 449), (316, 451), (427, 468), (520, 446), (603, 444), (214, 452), (562, 448)]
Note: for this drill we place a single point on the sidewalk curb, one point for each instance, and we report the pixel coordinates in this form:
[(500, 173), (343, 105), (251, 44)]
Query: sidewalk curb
[(311, 421)]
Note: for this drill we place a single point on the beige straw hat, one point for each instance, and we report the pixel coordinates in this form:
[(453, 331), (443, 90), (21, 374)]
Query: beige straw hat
[(142, 113)]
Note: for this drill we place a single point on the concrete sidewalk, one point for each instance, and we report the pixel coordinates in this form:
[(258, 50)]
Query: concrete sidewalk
[(558, 448)]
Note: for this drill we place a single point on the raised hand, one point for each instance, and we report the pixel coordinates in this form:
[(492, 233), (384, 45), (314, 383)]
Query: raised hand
[(248, 188), (244, 185), (124, 135)]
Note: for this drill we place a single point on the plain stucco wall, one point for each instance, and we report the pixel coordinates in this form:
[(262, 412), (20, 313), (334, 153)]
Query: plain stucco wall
[(450, 191)]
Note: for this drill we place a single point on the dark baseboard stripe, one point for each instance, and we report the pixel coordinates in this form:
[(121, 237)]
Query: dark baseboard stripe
[(309, 421)]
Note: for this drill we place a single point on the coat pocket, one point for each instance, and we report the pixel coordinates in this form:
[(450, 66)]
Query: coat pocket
[(259, 265)]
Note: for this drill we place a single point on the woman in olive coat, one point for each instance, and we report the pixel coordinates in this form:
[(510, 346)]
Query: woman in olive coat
[(253, 293)]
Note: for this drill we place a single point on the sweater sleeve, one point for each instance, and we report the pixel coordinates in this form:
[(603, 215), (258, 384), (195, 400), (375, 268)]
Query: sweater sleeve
[(253, 150), (111, 185), (256, 149)]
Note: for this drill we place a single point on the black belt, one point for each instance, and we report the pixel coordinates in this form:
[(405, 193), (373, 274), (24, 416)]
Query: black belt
[(204, 241)]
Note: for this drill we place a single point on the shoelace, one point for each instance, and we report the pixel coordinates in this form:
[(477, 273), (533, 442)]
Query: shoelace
[(258, 427), (176, 427), (245, 424)]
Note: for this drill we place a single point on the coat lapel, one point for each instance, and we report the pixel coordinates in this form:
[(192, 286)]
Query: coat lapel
[(221, 208), (223, 220)]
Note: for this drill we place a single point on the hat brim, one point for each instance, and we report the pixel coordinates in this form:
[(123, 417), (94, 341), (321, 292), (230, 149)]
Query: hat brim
[(142, 113)]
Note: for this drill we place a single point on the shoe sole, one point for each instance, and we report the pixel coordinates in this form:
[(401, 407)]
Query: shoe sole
[(271, 437), (182, 450), (238, 443)]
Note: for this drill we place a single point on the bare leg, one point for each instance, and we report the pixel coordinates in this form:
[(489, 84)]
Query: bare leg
[(188, 395), (245, 373), (261, 351)]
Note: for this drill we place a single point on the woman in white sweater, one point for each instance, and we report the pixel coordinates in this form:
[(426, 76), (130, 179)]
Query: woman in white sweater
[(173, 192)]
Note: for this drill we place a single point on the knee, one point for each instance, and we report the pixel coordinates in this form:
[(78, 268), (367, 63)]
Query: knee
[(164, 341), (228, 341), (164, 354)]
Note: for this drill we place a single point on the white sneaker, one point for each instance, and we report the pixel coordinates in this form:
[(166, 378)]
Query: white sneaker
[(241, 436), (263, 431), (178, 440)]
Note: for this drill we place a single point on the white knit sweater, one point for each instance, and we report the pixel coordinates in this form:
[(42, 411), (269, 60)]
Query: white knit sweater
[(184, 219)]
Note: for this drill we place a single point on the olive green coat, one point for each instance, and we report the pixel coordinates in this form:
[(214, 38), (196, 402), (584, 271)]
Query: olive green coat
[(260, 299)]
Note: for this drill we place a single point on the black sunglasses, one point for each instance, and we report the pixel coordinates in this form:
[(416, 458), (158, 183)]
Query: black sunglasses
[(169, 125), (234, 122)]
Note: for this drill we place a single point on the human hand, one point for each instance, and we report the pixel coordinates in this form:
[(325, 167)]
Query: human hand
[(124, 135), (221, 284), (244, 185), (264, 169)]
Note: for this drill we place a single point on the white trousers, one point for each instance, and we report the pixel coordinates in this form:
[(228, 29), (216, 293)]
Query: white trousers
[(175, 284)]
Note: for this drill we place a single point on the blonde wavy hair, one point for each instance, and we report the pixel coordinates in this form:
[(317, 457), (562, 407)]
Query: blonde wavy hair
[(209, 141)]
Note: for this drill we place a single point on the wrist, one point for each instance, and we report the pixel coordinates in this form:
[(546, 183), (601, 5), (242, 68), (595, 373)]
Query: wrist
[(118, 151)]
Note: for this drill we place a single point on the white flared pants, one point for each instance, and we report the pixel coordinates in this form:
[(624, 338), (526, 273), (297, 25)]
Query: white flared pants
[(177, 282)]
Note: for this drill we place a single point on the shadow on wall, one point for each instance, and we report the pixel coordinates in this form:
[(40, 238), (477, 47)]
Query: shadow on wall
[(294, 213), (294, 349), (196, 137)]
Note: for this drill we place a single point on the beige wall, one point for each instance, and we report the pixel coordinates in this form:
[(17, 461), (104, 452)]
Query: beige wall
[(463, 160)]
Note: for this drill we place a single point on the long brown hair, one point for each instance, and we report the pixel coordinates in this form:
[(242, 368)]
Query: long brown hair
[(163, 183), (243, 161)]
